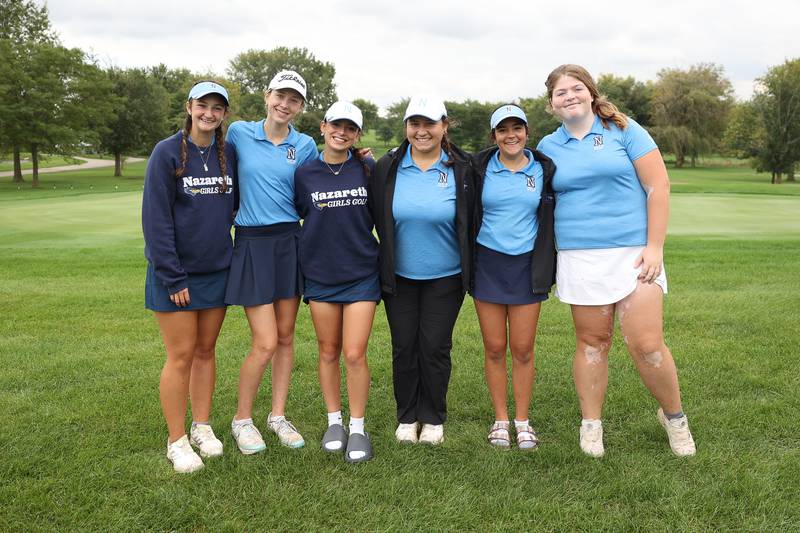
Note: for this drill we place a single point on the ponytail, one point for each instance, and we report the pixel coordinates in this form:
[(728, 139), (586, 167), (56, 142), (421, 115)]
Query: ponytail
[(356, 153), (446, 146)]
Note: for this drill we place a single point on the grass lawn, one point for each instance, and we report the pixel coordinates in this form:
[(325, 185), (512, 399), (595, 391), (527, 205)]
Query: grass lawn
[(83, 438)]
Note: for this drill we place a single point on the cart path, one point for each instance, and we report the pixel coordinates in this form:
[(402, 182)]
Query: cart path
[(90, 163)]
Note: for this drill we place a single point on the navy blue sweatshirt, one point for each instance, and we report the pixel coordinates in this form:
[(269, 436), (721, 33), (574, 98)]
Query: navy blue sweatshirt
[(336, 242), (186, 221)]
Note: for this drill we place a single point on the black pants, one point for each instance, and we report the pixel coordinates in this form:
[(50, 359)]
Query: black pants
[(422, 314)]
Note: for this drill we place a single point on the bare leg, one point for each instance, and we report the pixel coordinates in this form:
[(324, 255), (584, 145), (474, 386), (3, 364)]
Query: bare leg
[(203, 375), (640, 318), (594, 326), (492, 319), (265, 340), (285, 316), (179, 332), (358, 317), (327, 318), (522, 322)]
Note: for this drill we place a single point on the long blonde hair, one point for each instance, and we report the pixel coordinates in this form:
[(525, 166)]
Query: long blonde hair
[(600, 105)]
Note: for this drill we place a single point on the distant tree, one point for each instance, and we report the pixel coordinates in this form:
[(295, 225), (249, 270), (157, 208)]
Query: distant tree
[(308, 122), (177, 82), (744, 134), (394, 117), (68, 104), (777, 99), (24, 25), (470, 123), (254, 69), (370, 112), (630, 96), (384, 131), (24, 21), (540, 121), (141, 114), (690, 110)]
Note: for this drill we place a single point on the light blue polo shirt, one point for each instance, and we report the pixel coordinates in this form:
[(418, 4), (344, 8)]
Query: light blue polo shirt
[(266, 172), (424, 209), (599, 200), (510, 200)]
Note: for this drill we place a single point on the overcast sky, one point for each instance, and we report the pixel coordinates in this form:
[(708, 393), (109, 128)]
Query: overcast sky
[(488, 51)]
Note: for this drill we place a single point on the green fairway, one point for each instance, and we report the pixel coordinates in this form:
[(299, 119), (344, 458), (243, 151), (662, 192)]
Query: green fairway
[(83, 439)]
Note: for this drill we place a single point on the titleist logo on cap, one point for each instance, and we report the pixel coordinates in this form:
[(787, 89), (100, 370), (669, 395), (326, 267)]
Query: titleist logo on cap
[(292, 77)]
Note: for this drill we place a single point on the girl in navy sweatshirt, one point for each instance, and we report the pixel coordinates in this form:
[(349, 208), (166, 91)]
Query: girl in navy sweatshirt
[(339, 261), (187, 213)]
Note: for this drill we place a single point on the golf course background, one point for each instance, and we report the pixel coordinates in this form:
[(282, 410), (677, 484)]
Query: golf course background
[(82, 438)]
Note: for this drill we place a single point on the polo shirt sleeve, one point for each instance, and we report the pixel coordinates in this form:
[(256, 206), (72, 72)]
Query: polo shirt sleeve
[(637, 141), (307, 150), (234, 130)]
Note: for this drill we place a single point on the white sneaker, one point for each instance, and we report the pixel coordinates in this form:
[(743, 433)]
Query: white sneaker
[(247, 437), (202, 437), (182, 456), (592, 438), (432, 434), (286, 432), (407, 432), (680, 438)]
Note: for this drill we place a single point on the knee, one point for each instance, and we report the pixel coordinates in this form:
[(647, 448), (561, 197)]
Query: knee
[(329, 352), (495, 351), (263, 352), (594, 350), (180, 360), (651, 351), (355, 358), (204, 352), (522, 354), (286, 340)]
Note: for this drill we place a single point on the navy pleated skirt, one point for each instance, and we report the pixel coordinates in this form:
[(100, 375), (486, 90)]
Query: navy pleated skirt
[(206, 291), (504, 279), (265, 265)]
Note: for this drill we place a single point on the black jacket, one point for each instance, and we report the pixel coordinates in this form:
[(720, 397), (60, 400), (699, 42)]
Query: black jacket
[(543, 258), (383, 184)]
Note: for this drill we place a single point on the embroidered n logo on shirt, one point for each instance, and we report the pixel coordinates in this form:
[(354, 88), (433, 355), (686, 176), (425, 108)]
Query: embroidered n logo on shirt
[(598, 142), (442, 179), (531, 183), (291, 155)]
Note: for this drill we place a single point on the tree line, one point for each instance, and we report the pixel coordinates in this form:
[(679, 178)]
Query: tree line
[(55, 99)]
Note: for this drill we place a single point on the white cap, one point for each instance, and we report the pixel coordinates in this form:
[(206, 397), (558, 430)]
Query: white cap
[(507, 111), (203, 88), (342, 110), (426, 106), (288, 79)]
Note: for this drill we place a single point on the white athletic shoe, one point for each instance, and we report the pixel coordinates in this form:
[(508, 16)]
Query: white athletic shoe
[(680, 438), (202, 437), (432, 434), (247, 438), (182, 456), (407, 432), (286, 432), (592, 438)]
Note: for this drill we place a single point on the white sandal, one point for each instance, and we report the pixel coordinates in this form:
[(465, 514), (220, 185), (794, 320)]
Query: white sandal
[(499, 435)]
